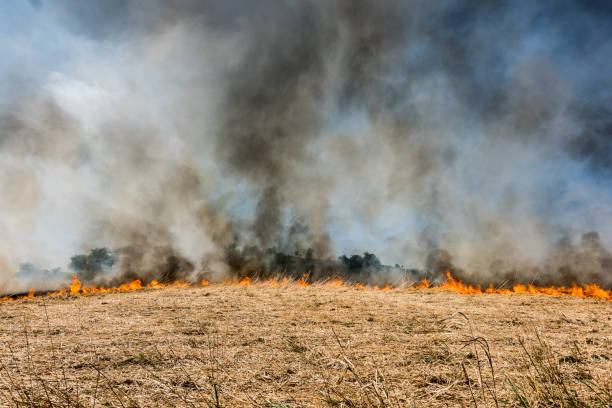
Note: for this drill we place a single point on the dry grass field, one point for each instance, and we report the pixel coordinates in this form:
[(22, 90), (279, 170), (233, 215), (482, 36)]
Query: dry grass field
[(234, 346)]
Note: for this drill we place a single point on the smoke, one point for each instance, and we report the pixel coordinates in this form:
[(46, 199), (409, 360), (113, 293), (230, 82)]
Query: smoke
[(458, 134)]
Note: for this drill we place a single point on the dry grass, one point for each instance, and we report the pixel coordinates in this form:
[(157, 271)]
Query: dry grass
[(231, 346)]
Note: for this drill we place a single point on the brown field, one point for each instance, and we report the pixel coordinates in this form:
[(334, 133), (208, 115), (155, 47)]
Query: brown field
[(232, 346)]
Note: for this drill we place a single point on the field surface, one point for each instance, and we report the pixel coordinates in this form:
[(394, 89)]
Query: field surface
[(233, 346)]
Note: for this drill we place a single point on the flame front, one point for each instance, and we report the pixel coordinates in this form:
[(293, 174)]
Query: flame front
[(450, 284), (586, 291)]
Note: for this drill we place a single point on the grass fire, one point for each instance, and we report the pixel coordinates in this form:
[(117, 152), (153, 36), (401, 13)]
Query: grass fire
[(281, 203), (450, 284)]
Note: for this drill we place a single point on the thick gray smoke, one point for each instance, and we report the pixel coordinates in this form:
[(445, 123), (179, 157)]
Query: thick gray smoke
[(459, 134)]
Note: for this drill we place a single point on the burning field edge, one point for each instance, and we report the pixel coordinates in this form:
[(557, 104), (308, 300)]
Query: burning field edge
[(450, 284)]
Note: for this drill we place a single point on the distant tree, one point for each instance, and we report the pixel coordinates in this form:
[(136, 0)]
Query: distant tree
[(88, 266), (345, 260), (355, 262), (370, 260)]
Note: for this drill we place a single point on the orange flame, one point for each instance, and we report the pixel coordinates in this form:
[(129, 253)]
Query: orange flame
[(302, 282), (450, 284), (423, 285), (586, 291), (75, 286)]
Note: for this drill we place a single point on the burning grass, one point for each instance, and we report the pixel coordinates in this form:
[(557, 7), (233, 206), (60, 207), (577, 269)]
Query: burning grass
[(288, 344), (449, 284)]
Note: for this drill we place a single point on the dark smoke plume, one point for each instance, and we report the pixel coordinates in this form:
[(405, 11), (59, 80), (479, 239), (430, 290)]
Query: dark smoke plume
[(209, 138)]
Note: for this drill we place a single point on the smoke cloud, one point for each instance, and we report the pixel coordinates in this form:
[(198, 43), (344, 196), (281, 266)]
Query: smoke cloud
[(457, 134)]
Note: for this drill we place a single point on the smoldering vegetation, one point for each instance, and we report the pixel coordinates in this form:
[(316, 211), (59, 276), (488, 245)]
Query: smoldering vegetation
[(190, 136), (582, 263), (103, 267)]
